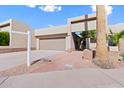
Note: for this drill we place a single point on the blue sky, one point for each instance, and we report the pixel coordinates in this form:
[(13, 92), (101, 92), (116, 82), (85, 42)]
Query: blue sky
[(42, 16)]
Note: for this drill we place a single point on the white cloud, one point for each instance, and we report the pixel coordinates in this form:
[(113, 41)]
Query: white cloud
[(50, 25), (107, 7), (31, 6), (50, 8)]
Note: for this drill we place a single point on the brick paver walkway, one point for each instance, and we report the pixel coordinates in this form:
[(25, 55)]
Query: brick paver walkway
[(62, 61)]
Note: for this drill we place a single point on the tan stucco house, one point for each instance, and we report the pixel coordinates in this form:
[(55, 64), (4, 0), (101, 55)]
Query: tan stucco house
[(63, 37)]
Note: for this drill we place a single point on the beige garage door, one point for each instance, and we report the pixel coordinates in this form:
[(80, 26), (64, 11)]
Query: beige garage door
[(52, 44)]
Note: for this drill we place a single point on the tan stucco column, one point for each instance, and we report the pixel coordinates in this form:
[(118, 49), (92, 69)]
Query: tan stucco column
[(68, 43), (87, 43), (69, 38), (37, 44)]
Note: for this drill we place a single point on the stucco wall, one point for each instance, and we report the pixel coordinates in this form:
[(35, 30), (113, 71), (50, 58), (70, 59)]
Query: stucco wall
[(75, 27), (64, 28), (52, 30), (18, 40), (19, 26), (33, 40)]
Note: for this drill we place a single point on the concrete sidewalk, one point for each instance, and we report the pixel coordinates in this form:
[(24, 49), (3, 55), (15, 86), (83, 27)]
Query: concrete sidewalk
[(9, 60), (82, 78)]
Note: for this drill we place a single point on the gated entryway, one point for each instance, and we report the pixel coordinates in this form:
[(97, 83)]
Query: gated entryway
[(78, 25)]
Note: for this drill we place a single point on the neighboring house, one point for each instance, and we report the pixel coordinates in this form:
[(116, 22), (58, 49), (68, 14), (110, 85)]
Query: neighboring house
[(16, 40)]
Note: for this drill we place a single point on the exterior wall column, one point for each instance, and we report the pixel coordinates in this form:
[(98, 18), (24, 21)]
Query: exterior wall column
[(10, 33), (87, 43), (37, 44), (69, 38), (68, 43), (86, 29)]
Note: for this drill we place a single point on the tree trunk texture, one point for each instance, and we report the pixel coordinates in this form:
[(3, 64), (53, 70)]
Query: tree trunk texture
[(102, 55)]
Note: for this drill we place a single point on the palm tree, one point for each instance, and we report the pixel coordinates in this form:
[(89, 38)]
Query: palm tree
[(101, 56), (115, 37)]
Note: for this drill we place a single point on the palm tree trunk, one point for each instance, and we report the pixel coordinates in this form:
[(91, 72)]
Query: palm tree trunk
[(101, 57)]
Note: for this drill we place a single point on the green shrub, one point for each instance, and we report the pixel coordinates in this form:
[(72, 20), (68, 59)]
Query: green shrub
[(121, 34), (114, 38), (4, 38), (122, 55)]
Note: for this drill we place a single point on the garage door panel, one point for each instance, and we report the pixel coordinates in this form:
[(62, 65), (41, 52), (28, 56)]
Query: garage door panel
[(52, 44)]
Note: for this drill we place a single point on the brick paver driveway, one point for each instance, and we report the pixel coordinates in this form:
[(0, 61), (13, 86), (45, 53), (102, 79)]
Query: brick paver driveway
[(9, 60)]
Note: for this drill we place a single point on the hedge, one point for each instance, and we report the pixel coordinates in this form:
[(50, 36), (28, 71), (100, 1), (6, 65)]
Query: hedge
[(4, 38)]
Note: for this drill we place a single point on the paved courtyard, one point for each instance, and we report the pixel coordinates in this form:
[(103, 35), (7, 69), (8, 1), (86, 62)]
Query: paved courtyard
[(9, 60), (58, 62), (67, 70), (81, 78)]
